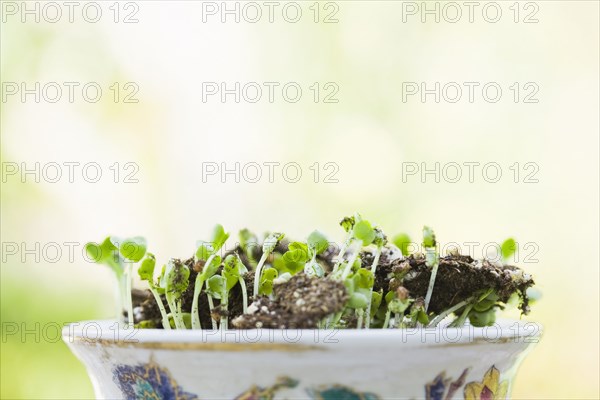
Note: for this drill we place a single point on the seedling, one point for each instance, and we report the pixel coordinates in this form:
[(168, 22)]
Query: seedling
[(174, 281), (107, 254), (234, 268), (268, 246), (431, 259), (146, 273), (368, 284), (207, 263)]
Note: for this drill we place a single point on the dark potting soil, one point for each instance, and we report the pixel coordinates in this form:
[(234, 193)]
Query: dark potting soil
[(303, 301)]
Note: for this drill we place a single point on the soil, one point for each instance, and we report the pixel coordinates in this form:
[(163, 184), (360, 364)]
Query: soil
[(304, 301), (300, 303)]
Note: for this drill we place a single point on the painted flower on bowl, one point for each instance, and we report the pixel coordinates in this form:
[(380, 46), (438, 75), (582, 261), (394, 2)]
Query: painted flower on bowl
[(491, 388)]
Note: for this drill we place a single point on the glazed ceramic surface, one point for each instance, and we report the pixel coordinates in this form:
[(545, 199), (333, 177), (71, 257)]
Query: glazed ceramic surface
[(439, 363)]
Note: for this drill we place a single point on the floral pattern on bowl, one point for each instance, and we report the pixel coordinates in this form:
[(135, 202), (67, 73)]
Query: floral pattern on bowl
[(151, 382)]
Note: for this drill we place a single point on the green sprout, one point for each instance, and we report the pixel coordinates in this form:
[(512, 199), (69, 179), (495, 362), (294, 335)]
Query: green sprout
[(317, 243), (233, 267), (266, 281), (402, 241), (466, 290), (294, 259), (248, 242), (107, 254), (132, 250), (174, 281), (207, 263), (146, 273), (268, 247), (379, 240), (507, 249), (397, 303), (432, 260)]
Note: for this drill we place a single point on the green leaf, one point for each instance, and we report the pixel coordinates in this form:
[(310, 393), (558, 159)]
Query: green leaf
[(428, 237), (347, 223), (219, 237), (133, 249), (481, 319), (209, 270), (363, 279), (146, 269), (313, 268), (375, 302), (204, 251), (358, 300), (402, 241), (508, 248), (105, 253), (271, 242), (231, 270), (266, 281), (380, 239), (317, 242), (176, 277), (247, 239), (364, 231), (215, 286)]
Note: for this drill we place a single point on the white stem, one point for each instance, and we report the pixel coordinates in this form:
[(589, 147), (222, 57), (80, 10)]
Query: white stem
[(397, 320), (263, 258), (348, 267), (161, 307), (244, 295), (386, 322), (373, 270), (128, 299), (434, 271), (360, 313), (224, 305), (195, 309), (211, 307), (449, 311), (340, 256), (173, 309)]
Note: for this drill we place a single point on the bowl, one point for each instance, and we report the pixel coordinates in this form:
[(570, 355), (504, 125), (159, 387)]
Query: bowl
[(438, 363)]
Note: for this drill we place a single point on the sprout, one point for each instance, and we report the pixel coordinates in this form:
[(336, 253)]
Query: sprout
[(294, 259), (248, 241), (507, 249), (207, 263), (431, 260), (132, 250), (268, 246), (402, 241), (317, 243), (174, 281), (266, 280), (106, 253), (397, 303), (379, 240), (234, 267), (146, 273)]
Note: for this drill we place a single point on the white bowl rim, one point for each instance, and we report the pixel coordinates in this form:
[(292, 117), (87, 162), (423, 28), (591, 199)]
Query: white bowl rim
[(108, 332)]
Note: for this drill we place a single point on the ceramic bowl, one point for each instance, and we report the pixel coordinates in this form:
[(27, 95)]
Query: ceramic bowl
[(439, 363)]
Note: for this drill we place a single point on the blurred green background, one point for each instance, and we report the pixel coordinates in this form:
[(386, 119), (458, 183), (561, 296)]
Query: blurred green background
[(369, 133)]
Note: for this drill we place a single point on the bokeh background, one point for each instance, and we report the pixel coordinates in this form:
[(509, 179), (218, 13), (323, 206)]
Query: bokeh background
[(368, 134)]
